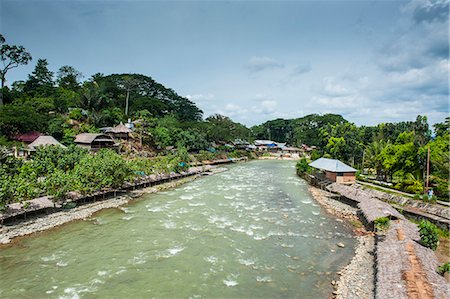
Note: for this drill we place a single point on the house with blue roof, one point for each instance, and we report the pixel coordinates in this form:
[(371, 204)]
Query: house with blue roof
[(335, 170)]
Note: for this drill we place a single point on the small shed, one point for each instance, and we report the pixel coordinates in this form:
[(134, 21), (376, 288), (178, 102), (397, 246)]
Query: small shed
[(94, 141), (43, 141), (335, 170), (120, 132)]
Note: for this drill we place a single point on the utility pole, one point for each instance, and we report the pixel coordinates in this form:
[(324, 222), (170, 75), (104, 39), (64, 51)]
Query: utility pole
[(126, 101)]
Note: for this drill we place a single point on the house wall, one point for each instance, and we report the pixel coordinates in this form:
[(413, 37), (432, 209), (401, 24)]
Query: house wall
[(346, 178), (331, 175)]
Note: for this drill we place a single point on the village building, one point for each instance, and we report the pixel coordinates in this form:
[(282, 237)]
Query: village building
[(28, 137), (44, 141), (120, 131), (94, 141), (335, 170), (266, 145)]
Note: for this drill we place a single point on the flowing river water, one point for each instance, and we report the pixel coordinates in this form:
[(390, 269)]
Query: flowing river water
[(250, 232)]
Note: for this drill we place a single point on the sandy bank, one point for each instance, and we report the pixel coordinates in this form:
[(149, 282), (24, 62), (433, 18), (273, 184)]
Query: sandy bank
[(357, 278)]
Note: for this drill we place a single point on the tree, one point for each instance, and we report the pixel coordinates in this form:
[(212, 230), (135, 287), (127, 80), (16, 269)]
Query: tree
[(442, 128), (11, 56), (68, 77), (40, 82)]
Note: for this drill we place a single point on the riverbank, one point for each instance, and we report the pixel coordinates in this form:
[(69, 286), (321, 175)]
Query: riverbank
[(42, 223), (357, 279)]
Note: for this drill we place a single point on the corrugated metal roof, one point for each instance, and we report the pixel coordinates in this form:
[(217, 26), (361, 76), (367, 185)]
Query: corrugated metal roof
[(332, 165), (44, 140), (264, 142)]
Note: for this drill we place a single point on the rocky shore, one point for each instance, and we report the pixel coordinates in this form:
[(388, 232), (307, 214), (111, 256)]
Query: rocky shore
[(357, 279)]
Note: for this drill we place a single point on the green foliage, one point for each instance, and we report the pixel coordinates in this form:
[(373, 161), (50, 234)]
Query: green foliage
[(76, 114), (104, 170), (444, 268), (68, 77), (205, 155), (58, 183), (382, 223), (222, 129), (442, 128), (20, 117), (409, 183), (429, 236), (302, 166)]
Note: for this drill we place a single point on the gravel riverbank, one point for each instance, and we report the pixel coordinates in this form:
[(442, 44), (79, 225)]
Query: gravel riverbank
[(357, 279)]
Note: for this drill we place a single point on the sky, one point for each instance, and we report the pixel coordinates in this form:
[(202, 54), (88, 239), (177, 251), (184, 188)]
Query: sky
[(370, 61)]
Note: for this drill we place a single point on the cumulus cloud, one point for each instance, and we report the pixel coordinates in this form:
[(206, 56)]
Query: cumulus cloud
[(233, 111), (331, 87), (262, 63)]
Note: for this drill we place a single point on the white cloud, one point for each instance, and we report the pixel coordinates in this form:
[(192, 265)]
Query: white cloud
[(331, 87), (200, 97)]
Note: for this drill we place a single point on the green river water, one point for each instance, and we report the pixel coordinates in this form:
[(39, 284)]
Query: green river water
[(250, 232)]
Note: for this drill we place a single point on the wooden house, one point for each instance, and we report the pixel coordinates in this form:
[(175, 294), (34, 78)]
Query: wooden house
[(335, 170), (120, 132), (94, 141)]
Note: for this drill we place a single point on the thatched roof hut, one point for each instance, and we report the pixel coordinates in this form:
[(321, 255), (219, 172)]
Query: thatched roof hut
[(94, 141), (44, 141), (120, 131)]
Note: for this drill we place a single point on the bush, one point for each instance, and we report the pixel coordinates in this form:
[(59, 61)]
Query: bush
[(444, 268), (302, 166), (429, 234), (104, 170), (381, 223), (76, 114)]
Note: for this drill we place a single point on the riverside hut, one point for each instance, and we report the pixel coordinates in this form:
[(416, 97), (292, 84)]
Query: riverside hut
[(94, 141), (335, 170)]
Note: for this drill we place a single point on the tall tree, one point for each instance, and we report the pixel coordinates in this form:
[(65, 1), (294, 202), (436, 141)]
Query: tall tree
[(40, 81), (11, 56), (68, 77)]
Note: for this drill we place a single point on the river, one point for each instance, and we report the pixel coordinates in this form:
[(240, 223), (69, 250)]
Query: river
[(250, 232)]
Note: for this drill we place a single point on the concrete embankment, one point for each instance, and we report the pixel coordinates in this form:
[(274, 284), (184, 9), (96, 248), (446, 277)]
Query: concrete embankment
[(403, 267)]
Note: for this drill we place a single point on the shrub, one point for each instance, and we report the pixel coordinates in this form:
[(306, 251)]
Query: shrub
[(382, 223), (429, 236), (302, 166), (76, 114), (444, 268)]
